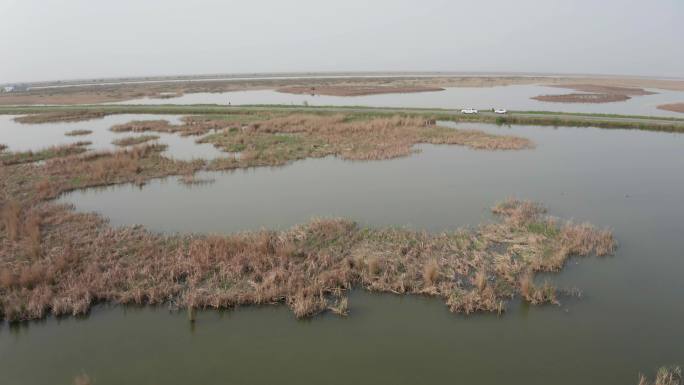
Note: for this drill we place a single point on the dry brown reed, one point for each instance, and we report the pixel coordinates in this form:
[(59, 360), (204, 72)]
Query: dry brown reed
[(671, 375), (282, 139), (134, 140), (309, 268), (12, 158), (60, 116), (56, 261), (78, 132)]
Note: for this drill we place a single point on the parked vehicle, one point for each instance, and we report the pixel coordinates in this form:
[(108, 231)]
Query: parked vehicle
[(501, 111), (469, 111)]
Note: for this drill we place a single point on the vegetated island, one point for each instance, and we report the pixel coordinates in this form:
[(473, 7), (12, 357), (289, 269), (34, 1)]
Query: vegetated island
[(54, 260), (355, 90), (582, 98), (674, 107), (78, 132), (593, 93)]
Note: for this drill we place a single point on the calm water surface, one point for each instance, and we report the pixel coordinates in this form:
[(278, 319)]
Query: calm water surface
[(515, 97), (628, 321)]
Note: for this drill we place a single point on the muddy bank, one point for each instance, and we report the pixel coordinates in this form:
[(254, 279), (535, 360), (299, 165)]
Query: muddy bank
[(582, 98), (674, 107), (355, 90), (606, 89)]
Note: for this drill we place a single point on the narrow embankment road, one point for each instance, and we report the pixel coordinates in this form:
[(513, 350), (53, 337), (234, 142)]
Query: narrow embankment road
[(651, 123)]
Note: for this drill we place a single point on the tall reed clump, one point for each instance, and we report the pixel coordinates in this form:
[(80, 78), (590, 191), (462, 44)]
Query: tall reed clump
[(11, 219), (133, 140), (13, 158), (78, 132), (60, 116)]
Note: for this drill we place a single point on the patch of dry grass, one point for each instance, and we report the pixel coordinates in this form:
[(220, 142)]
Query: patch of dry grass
[(308, 267), (12, 158), (282, 139), (143, 126), (60, 117), (78, 132), (671, 375), (134, 140)]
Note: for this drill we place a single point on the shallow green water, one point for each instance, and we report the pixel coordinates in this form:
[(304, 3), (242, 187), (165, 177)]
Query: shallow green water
[(629, 320)]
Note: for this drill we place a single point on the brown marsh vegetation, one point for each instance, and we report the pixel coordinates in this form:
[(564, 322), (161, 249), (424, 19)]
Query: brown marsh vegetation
[(57, 261), (582, 98), (63, 262), (674, 107), (60, 116), (671, 375), (134, 140), (190, 125), (281, 139), (78, 132), (10, 158)]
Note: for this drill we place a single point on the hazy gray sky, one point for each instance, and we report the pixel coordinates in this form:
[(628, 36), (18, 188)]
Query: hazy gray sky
[(65, 39)]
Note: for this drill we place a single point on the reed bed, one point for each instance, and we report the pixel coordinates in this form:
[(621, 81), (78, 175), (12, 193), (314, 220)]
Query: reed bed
[(134, 140), (191, 126), (194, 180), (667, 375), (12, 158), (82, 261), (54, 260), (78, 132), (281, 139), (60, 117)]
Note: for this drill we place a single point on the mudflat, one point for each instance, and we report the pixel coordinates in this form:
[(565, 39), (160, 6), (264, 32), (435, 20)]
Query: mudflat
[(355, 90)]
